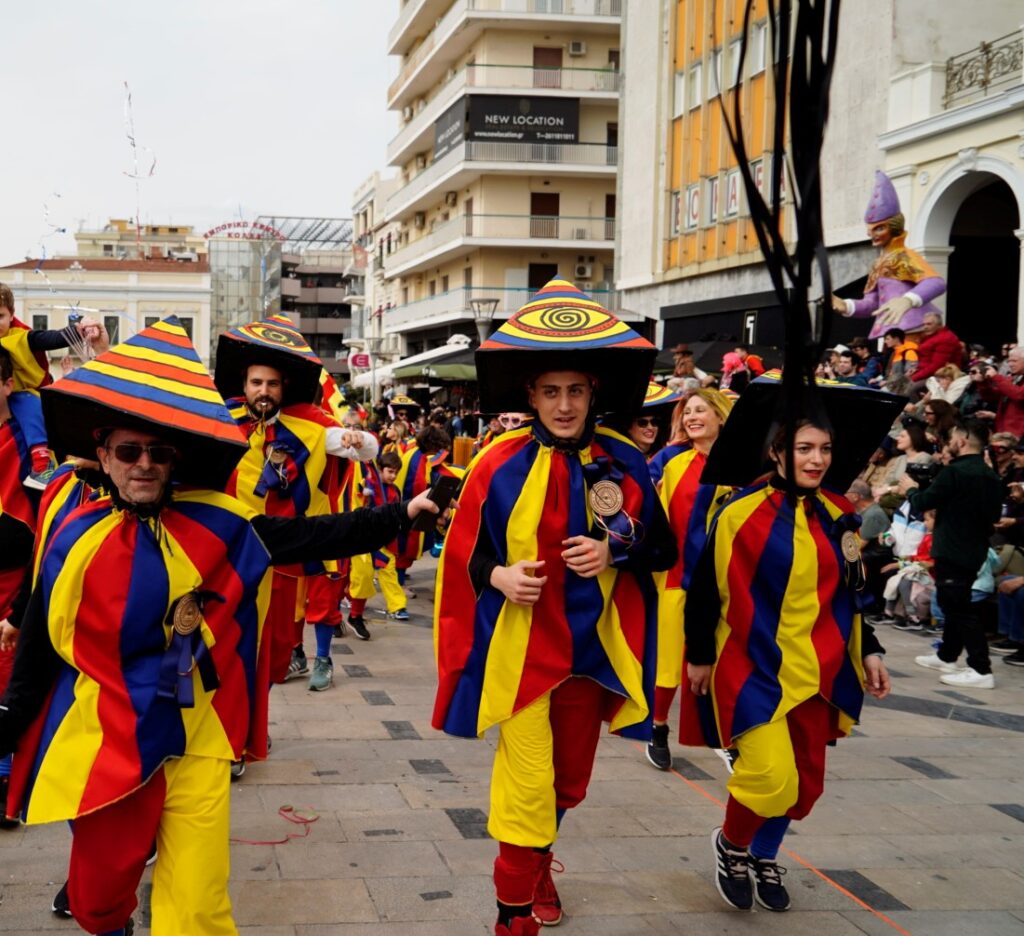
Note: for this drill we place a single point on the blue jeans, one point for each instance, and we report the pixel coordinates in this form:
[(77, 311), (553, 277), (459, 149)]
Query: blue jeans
[(1011, 615)]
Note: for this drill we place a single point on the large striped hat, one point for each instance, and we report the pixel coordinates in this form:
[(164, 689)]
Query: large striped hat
[(275, 342), (659, 395), (562, 328), (153, 382)]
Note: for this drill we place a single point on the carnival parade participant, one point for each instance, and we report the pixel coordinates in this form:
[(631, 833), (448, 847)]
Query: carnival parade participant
[(901, 284), (421, 462), (650, 426), (286, 470), (545, 615), (28, 347), (777, 658), (690, 506), (135, 683)]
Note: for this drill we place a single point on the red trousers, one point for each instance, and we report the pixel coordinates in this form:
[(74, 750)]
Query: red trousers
[(279, 629), (323, 600)]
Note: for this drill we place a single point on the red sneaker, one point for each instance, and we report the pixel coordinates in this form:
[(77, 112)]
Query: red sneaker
[(547, 908), (521, 926)]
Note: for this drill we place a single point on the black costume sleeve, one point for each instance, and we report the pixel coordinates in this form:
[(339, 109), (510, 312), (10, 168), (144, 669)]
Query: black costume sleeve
[(657, 551), (52, 340), (333, 536), (36, 666), (869, 642), (17, 539), (703, 608)]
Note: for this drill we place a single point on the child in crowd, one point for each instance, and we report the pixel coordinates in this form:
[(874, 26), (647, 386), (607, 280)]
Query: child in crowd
[(384, 559), (908, 594), (28, 347)]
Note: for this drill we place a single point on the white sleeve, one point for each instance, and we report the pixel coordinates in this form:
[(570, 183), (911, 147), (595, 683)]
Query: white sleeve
[(850, 309), (366, 452), (915, 299)]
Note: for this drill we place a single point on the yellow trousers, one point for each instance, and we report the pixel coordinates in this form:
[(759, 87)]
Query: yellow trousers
[(394, 594), (360, 577)]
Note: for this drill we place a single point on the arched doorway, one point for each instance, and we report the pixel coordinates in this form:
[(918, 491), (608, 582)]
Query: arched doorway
[(984, 267)]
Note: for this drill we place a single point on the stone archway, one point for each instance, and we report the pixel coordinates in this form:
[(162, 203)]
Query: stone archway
[(987, 276)]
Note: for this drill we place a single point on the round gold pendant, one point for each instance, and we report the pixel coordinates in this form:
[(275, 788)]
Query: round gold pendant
[(850, 546), (606, 498), (277, 456), (187, 615)]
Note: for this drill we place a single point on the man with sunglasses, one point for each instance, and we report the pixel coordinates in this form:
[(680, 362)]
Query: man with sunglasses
[(136, 678), (1007, 392)]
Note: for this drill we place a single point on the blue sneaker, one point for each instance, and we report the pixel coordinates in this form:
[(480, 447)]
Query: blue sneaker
[(400, 615)]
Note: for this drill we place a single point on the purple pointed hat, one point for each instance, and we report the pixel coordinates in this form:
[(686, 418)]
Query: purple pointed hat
[(884, 202)]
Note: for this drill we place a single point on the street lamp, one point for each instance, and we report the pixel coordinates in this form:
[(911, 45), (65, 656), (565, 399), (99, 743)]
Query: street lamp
[(483, 312), (373, 343)]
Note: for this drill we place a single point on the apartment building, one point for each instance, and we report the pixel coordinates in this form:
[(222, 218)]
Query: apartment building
[(506, 158), (119, 239), (686, 255)]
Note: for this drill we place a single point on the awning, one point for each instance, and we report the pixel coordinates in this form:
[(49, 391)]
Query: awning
[(412, 366), (457, 365)]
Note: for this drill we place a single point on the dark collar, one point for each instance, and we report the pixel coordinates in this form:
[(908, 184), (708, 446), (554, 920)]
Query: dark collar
[(544, 436)]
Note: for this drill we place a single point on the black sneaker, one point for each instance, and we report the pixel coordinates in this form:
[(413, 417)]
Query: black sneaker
[(658, 752), (299, 665), (1004, 647), (732, 873), (1015, 659), (339, 630), (880, 620), (358, 626), (237, 770), (771, 893), (907, 624), (6, 822), (60, 905)]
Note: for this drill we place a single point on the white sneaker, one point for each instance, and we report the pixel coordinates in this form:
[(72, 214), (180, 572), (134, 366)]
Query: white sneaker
[(969, 679), (932, 661)]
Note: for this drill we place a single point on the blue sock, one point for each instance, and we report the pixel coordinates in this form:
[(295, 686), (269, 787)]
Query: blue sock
[(768, 839), (5, 766), (324, 633), (559, 815), (401, 576)]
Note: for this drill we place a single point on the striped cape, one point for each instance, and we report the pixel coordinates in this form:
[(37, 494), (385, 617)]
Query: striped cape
[(689, 506), (417, 474), (108, 580), (31, 368), (788, 628), (520, 499), (14, 503)]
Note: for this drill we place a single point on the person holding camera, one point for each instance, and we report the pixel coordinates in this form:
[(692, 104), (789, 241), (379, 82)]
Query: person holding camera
[(1007, 392), (967, 499)]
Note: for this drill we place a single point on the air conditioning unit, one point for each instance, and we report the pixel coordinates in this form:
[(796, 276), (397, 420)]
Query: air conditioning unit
[(421, 161), (583, 271), (585, 285), (407, 113), (577, 47), (419, 220), (451, 199)]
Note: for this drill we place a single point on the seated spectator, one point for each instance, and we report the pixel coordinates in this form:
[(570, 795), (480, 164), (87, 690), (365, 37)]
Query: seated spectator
[(939, 346), (1010, 574), (687, 375), (939, 418), (752, 362), (902, 360), (874, 553), (913, 448), (908, 593), (1001, 446), (949, 384), (972, 403), (869, 364), (845, 369), (1007, 393), (735, 375)]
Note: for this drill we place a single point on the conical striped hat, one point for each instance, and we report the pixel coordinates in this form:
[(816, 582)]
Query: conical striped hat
[(156, 383), (562, 328), (659, 395), (275, 342)]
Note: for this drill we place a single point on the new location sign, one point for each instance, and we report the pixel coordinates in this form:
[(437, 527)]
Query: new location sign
[(361, 361), (523, 119)]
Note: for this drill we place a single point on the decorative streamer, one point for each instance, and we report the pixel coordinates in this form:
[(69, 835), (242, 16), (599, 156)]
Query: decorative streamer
[(135, 174)]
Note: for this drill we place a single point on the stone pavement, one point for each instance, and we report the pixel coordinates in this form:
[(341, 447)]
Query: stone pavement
[(920, 830)]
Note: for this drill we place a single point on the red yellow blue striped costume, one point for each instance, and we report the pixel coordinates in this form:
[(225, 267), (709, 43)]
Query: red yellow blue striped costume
[(417, 474), (786, 644)]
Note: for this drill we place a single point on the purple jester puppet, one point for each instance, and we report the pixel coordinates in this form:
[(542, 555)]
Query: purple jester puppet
[(901, 285)]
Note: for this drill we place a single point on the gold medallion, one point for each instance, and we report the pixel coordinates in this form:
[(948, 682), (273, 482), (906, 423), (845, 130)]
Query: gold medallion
[(277, 456), (187, 615), (850, 546), (606, 498)]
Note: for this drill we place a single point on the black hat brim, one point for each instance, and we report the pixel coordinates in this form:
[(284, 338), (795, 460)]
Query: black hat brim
[(235, 357)]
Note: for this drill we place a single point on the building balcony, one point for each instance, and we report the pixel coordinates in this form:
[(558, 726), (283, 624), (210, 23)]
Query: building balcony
[(321, 295), (324, 326), (467, 232), (414, 19), (454, 306), (473, 158), (464, 22), (291, 287), (585, 83)]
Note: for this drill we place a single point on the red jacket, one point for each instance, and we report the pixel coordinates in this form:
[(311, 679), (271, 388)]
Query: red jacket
[(936, 351), (1009, 393)]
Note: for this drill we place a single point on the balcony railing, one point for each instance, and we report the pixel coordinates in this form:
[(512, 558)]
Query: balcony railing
[(572, 154), (990, 67), (455, 305), (461, 8), (569, 229)]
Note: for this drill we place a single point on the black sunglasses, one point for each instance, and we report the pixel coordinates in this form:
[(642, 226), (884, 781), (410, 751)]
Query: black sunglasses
[(129, 453), (642, 422)]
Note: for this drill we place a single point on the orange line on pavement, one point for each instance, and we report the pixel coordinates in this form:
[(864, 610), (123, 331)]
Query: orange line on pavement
[(697, 788)]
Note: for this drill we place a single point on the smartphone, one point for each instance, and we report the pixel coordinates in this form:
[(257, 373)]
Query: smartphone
[(441, 494)]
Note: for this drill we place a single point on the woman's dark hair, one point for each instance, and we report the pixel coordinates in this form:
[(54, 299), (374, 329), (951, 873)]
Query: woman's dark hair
[(431, 440), (781, 437), (918, 439), (946, 417)]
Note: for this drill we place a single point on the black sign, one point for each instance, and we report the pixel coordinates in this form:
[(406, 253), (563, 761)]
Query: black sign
[(450, 128), (523, 119)]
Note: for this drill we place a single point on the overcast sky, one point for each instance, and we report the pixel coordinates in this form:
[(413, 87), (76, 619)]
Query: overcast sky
[(249, 106)]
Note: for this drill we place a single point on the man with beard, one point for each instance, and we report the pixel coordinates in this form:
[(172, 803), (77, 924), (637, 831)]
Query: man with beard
[(287, 471)]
